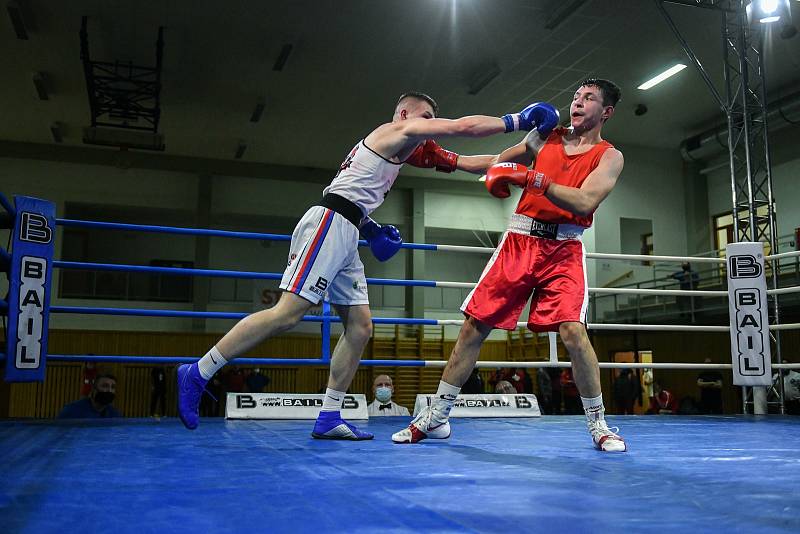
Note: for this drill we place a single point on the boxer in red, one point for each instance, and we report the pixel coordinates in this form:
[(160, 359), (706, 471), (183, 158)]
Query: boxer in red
[(324, 261), (541, 254)]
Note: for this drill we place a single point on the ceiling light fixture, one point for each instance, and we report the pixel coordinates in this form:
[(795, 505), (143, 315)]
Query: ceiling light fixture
[(661, 77), (17, 20), (240, 150), (40, 84), (55, 131), (768, 11), (283, 56), (258, 110)]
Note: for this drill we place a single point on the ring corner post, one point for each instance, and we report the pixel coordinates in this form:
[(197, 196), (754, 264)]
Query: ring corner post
[(30, 280)]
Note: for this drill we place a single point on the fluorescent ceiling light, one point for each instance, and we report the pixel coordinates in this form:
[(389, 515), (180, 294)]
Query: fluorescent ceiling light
[(661, 77), (768, 6), (767, 20)]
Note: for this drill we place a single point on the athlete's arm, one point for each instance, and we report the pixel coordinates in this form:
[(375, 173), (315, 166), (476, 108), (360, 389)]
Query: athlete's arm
[(394, 138), (523, 153), (470, 126), (585, 200)]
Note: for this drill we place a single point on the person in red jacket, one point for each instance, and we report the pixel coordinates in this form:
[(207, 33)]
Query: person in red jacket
[(663, 402), (89, 375), (541, 255)]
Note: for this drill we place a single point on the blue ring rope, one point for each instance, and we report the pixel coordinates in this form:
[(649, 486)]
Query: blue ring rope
[(137, 312), (238, 361), (215, 273), (74, 223), (212, 315)]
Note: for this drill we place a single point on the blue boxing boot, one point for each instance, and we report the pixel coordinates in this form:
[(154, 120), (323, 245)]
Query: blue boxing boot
[(330, 425), (190, 388)]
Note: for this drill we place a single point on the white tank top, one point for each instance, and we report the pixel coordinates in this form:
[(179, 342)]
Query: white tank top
[(364, 178)]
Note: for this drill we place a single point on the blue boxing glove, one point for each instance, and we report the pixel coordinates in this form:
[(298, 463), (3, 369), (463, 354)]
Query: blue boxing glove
[(384, 241), (541, 115)]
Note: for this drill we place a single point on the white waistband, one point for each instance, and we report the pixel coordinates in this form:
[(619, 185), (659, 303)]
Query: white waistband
[(522, 224)]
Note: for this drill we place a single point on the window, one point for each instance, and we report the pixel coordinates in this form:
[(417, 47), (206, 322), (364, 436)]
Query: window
[(723, 229)]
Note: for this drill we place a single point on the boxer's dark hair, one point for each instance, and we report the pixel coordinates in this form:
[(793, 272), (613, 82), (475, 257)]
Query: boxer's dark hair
[(420, 96), (611, 92)]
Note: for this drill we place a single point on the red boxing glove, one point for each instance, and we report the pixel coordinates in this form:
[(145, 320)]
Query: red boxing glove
[(501, 175), (429, 155)]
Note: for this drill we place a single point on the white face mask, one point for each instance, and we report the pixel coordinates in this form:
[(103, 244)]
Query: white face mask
[(383, 394)]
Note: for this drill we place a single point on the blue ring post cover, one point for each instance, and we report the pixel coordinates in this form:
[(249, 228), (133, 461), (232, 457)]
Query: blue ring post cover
[(30, 279)]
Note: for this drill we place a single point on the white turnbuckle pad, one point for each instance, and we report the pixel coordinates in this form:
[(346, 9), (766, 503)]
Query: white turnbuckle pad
[(289, 406), (488, 405)]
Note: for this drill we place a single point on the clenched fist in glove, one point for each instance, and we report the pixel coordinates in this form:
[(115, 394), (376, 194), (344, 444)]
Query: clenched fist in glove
[(429, 155), (501, 175), (541, 115), (384, 241)]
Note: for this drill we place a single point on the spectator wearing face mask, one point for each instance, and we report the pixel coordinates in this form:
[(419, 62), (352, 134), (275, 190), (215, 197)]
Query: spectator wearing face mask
[(99, 403), (382, 388), (256, 381), (687, 279)]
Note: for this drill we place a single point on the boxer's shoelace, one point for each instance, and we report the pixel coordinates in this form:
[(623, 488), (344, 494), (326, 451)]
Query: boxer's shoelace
[(196, 393), (600, 428), (425, 419)]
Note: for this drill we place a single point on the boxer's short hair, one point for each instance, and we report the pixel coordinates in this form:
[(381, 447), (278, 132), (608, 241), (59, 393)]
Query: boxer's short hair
[(610, 90), (420, 96)]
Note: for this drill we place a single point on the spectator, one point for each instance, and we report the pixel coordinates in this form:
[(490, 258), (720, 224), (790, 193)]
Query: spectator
[(710, 384), (791, 389), (569, 390), (522, 381), (687, 279), (504, 387), (647, 385), (256, 382), (501, 373), (688, 406), (626, 388), (158, 391), (474, 384), (545, 390), (89, 374), (99, 403), (234, 380), (382, 389), (519, 378), (663, 402)]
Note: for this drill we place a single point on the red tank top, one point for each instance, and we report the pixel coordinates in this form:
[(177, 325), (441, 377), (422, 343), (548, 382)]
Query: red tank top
[(563, 169)]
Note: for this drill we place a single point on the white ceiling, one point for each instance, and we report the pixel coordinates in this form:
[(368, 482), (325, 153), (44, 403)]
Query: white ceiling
[(352, 58)]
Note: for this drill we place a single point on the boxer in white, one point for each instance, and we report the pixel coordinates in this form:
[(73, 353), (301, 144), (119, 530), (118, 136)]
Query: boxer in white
[(323, 257)]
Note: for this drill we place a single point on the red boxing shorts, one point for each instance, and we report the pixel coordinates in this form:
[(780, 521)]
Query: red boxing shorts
[(553, 270)]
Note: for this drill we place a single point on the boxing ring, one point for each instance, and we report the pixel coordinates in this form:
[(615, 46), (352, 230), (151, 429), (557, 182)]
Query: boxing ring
[(493, 475)]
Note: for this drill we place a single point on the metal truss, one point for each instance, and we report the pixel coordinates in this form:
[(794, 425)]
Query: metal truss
[(123, 95), (745, 108)]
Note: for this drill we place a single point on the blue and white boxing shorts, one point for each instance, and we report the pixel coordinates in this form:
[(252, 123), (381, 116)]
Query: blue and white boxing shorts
[(324, 260)]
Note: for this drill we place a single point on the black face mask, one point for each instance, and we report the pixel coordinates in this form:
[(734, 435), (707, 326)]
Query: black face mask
[(104, 397)]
